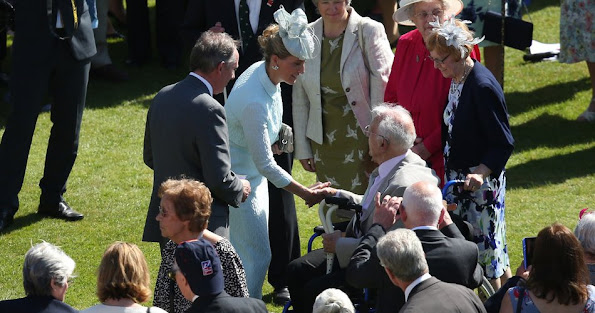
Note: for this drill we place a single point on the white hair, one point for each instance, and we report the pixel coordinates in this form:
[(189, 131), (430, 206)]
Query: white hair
[(400, 252), (395, 123), (44, 262), (333, 301), (585, 232), (423, 203)]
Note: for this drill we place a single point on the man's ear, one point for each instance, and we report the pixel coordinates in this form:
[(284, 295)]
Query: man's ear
[(220, 67)]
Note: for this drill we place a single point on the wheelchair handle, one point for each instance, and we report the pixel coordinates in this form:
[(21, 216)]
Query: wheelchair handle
[(454, 182), (327, 223), (344, 204)]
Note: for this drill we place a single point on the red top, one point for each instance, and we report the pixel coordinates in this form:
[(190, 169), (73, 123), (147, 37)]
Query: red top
[(416, 85)]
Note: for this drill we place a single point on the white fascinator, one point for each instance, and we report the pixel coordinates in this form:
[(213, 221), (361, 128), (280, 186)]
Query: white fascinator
[(454, 35), (298, 38)]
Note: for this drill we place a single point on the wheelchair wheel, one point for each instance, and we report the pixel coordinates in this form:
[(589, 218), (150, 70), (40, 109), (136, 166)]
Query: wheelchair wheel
[(485, 290)]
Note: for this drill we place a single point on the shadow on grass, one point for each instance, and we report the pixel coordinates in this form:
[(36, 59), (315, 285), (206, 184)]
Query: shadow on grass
[(537, 5), (550, 131), (554, 170), (523, 101), (23, 221)]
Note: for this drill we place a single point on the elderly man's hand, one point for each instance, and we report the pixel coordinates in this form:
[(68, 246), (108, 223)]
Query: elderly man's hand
[(329, 241), (387, 212)]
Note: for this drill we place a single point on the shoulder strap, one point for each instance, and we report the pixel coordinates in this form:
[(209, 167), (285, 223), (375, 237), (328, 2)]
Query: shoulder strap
[(519, 303)]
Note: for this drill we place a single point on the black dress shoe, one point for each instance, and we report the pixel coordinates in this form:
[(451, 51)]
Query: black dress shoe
[(5, 221), (281, 296), (61, 211)]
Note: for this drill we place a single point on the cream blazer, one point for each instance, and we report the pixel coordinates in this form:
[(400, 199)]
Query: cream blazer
[(364, 90)]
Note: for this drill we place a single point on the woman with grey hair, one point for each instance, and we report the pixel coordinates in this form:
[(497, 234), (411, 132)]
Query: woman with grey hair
[(585, 232), (46, 272), (333, 98), (333, 301)]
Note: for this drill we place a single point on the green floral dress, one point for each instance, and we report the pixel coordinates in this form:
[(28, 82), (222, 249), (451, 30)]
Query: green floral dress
[(342, 158)]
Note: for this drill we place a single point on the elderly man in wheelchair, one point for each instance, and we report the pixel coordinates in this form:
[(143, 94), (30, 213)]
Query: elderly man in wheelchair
[(391, 134)]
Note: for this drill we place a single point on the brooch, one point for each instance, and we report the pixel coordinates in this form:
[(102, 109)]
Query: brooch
[(270, 3)]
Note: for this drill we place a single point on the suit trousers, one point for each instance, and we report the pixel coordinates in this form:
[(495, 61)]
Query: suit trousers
[(35, 73), (102, 57), (307, 278), (139, 31)]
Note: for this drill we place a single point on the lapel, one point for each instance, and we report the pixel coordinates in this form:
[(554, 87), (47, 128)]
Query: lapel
[(314, 64), (349, 40)]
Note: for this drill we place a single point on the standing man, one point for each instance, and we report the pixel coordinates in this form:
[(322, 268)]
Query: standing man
[(53, 44), (245, 20), (186, 133), (402, 256)]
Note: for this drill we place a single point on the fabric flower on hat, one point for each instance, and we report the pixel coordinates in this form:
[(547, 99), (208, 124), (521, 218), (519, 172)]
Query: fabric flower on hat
[(454, 35), (297, 37)]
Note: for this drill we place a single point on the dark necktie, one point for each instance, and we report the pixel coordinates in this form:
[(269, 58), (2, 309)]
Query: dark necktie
[(245, 27)]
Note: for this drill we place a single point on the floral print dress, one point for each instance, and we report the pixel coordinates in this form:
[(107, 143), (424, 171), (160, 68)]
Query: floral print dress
[(484, 208), (577, 32)]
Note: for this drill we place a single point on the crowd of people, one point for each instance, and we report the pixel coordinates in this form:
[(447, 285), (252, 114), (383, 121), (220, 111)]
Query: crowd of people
[(383, 133)]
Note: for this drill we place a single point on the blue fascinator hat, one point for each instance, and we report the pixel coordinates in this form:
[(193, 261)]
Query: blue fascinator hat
[(298, 38)]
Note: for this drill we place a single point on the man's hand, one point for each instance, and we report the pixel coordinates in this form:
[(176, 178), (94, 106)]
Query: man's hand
[(246, 190), (319, 191), (386, 212), (217, 28), (329, 241), (446, 220)]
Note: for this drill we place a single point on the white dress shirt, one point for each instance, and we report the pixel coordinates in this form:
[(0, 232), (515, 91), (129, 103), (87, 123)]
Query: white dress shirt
[(416, 282), (204, 81)]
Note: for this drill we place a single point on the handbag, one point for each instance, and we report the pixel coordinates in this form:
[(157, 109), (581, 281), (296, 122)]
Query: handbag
[(285, 142), (518, 34)]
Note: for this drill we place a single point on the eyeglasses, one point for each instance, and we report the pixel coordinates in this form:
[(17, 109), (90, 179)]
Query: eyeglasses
[(367, 132), (439, 61), (423, 15), (162, 212)]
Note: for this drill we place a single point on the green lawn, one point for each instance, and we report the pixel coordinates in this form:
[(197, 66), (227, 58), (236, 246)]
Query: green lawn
[(551, 174)]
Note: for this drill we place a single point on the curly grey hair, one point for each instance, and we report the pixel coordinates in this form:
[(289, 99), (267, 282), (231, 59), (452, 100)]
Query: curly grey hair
[(395, 122), (585, 232), (45, 262), (333, 301)]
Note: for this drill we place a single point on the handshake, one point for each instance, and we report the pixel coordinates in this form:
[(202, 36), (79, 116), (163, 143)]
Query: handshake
[(319, 191)]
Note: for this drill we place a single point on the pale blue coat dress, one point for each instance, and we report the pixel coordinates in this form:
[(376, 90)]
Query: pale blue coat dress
[(254, 113)]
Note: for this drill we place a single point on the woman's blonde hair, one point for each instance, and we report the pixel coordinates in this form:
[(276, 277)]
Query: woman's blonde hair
[(123, 274), (438, 43), (271, 44)]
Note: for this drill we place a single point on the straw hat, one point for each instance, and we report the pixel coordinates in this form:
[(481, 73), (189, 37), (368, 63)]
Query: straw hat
[(400, 16)]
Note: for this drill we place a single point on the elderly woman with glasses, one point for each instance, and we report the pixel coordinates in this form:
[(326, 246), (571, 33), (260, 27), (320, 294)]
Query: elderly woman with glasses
[(123, 281), (585, 232), (333, 99), (414, 83), (46, 275), (478, 142)]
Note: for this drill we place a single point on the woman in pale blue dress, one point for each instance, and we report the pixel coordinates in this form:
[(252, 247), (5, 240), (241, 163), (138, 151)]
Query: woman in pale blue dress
[(254, 110)]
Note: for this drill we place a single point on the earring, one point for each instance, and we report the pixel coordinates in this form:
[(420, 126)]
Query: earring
[(275, 67)]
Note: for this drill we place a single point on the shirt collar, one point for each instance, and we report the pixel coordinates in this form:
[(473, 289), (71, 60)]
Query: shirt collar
[(390, 164), (414, 283), (204, 82), (425, 227), (194, 298), (265, 80)]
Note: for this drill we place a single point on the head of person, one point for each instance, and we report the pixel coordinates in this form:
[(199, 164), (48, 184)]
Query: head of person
[(185, 208), (585, 232), (46, 271), (391, 132), (558, 267), (333, 301), (123, 274), (286, 45), (450, 44), (420, 13), (333, 11), (402, 256), (197, 269), (422, 205), (215, 57)]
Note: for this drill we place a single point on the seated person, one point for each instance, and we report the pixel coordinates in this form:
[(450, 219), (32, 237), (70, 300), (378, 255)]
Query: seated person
[(184, 213), (558, 278), (333, 301), (390, 137), (123, 281), (46, 272), (450, 257), (402, 256), (585, 232), (199, 276)]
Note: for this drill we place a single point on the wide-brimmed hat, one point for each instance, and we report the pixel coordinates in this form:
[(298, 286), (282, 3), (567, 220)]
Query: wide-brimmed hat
[(401, 16)]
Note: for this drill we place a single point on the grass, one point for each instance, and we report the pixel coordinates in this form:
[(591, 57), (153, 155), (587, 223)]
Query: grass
[(551, 174)]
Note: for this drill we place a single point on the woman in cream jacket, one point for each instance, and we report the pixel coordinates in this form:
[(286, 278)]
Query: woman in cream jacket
[(332, 100)]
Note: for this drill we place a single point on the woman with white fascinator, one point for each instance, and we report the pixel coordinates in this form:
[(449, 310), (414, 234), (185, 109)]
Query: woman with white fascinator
[(478, 142), (254, 110)]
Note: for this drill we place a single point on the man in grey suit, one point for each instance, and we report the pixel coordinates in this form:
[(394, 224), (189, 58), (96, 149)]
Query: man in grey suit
[(390, 136), (402, 256), (186, 133)]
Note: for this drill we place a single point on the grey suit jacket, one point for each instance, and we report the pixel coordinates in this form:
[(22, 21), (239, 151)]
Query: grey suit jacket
[(407, 172), (186, 134), (432, 295)]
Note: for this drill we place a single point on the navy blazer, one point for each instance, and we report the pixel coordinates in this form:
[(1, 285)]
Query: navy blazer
[(224, 303), (480, 131), (36, 304), (433, 295)]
